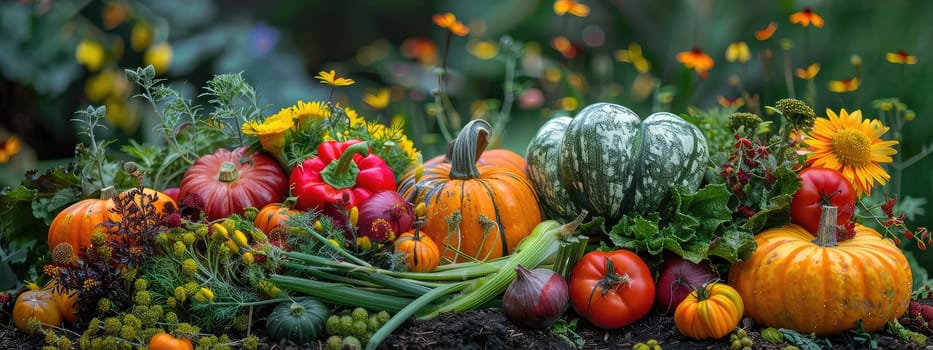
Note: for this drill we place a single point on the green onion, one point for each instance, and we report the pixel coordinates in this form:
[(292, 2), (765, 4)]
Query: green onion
[(342, 294)]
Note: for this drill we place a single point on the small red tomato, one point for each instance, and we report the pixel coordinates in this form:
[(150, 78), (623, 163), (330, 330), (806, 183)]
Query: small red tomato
[(821, 186), (611, 289)]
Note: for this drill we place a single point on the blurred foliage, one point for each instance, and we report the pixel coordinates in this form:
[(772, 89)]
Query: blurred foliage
[(622, 51)]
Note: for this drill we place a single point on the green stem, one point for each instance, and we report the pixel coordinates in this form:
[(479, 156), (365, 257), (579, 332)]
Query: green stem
[(342, 173), (467, 148), (405, 313)]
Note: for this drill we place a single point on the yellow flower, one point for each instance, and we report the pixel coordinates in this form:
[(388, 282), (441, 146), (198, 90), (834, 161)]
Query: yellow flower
[(728, 102), (377, 99), (330, 78), (99, 86), (483, 49), (159, 56), (302, 111), (738, 51), (901, 57), (90, 54), (271, 131), (449, 21), (572, 7), (568, 103), (697, 60), (634, 56), (853, 146), (809, 73), (766, 32), (844, 85), (141, 36), (806, 17)]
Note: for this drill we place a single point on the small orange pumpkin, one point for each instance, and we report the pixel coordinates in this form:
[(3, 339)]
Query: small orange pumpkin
[(75, 224), (421, 253), (39, 304), (275, 214), (165, 341), (823, 286), (481, 211), (710, 311)]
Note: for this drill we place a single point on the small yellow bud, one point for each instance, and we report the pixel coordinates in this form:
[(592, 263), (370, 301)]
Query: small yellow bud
[(181, 294), (334, 242), (354, 216), (189, 238), (232, 246), (318, 226), (179, 249), (419, 210), (204, 295), (229, 224), (248, 258), (419, 171), (274, 292), (240, 238), (364, 243), (218, 228), (258, 235), (189, 267)]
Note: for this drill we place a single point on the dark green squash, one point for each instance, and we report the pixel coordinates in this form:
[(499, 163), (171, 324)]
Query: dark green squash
[(610, 162), (301, 321)]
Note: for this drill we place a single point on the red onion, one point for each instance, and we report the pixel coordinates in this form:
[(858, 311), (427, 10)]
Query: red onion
[(536, 298), (678, 278), (384, 216)]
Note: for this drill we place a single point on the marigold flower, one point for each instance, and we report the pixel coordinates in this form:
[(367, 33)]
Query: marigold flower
[(424, 50), (159, 56), (9, 147), (697, 60), (449, 21), (90, 54), (738, 51), (729, 102), (564, 46), (853, 146), (844, 85), (572, 7), (330, 78), (901, 57), (806, 17), (766, 32), (377, 99), (809, 73)]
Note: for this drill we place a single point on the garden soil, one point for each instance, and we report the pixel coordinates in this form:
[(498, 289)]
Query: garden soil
[(489, 329)]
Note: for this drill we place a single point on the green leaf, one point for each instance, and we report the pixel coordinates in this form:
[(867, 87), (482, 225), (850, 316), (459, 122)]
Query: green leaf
[(777, 213)]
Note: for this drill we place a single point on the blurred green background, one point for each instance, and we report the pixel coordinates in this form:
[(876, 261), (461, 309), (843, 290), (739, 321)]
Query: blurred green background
[(279, 46)]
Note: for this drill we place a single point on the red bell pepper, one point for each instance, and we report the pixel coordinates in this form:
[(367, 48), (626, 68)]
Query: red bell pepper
[(343, 174)]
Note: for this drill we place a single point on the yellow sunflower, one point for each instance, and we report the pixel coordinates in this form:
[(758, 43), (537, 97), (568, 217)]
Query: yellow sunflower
[(316, 110), (853, 146), (272, 130)]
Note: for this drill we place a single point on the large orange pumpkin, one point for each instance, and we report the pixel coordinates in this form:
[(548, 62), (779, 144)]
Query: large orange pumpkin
[(823, 286), (481, 211)]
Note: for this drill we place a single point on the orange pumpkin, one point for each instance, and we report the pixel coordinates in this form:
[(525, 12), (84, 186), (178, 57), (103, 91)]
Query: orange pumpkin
[(39, 304), (75, 224), (711, 311), (481, 211), (274, 214), (165, 341), (822, 286), (66, 301), (421, 254)]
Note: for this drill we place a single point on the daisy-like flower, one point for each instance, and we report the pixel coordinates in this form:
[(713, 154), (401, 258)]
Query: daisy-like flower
[(845, 85), (377, 99), (562, 7), (809, 73), (847, 143), (806, 17), (331, 78), (8, 148), (738, 51), (303, 112), (766, 32), (272, 130), (728, 102), (634, 56), (90, 54), (901, 57), (697, 60), (449, 21)]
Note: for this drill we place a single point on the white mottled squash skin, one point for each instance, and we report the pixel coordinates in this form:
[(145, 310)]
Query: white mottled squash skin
[(610, 162)]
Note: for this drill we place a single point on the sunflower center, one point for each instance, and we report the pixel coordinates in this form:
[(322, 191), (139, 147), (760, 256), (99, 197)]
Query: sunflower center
[(852, 147)]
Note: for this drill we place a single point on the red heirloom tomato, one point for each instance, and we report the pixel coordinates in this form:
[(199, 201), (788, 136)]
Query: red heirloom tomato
[(611, 289), (819, 186), (343, 174), (227, 182)]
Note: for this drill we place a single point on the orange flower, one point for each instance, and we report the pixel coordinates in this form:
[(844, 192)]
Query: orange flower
[(572, 7), (8, 148), (901, 57), (564, 46), (766, 32), (809, 73), (844, 85), (449, 21), (806, 17), (697, 60), (728, 102)]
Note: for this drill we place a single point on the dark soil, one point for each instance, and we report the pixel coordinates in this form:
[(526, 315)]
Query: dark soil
[(489, 329)]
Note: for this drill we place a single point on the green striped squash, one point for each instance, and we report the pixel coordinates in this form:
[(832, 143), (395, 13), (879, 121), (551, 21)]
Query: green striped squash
[(610, 162), (301, 321)]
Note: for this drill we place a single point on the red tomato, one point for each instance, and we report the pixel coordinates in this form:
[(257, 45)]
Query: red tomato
[(611, 289), (819, 186)]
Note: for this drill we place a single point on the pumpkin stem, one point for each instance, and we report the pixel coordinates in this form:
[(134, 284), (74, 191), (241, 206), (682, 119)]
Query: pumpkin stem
[(826, 233), (467, 148), (228, 172), (342, 173)]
